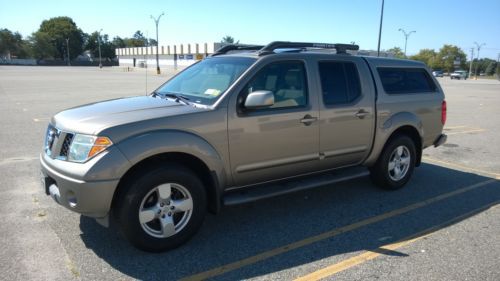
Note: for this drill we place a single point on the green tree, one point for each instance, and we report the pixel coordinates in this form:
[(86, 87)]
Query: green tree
[(12, 44), (447, 56), (490, 69), (229, 40), (397, 52), (42, 45), (137, 40), (61, 29), (118, 42), (429, 57), (107, 47)]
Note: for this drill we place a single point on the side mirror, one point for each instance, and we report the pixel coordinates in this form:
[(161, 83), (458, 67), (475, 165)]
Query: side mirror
[(259, 99)]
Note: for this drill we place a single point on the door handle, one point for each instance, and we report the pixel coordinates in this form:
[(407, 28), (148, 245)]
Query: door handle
[(361, 113), (308, 119)]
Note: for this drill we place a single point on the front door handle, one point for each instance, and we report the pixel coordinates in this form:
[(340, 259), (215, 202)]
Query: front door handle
[(361, 113), (308, 120)]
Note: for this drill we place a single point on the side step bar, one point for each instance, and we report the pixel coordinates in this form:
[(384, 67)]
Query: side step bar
[(258, 192)]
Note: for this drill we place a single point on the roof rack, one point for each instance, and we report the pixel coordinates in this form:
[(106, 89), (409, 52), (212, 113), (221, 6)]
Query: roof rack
[(341, 48), (236, 47)]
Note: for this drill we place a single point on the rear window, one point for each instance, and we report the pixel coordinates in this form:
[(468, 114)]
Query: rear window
[(406, 80)]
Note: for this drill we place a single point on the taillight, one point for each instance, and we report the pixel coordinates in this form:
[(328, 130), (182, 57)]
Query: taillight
[(443, 112)]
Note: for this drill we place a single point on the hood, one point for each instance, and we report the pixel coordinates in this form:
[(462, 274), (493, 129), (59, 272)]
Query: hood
[(95, 117)]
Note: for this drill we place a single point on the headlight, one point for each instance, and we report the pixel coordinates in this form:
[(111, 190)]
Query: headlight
[(84, 147)]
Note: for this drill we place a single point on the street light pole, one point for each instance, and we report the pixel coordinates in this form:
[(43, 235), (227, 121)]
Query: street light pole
[(99, 44), (478, 49), (406, 36), (157, 20), (67, 49), (471, 59), (380, 28)]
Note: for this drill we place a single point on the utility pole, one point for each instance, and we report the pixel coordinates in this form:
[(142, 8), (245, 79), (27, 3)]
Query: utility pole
[(406, 36), (478, 49), (99, 44), (157, 20), (471, 59), (67, 49), (380, 28)]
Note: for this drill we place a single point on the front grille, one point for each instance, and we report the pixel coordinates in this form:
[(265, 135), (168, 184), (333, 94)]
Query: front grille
[(66, 144), (57, 143)]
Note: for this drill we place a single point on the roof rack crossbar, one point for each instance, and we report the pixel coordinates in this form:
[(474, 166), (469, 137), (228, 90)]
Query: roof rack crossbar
[(341, 48), (236, 47)]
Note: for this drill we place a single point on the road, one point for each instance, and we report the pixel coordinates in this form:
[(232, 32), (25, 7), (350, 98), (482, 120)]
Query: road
[(443, 226)]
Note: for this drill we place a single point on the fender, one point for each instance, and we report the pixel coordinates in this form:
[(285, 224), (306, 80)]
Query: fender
[(386, 128), (139, 147)]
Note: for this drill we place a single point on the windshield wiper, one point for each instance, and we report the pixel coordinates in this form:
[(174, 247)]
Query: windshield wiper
[(177, 96)]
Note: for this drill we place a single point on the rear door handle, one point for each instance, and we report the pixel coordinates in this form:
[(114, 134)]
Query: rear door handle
[(308, 119), (362, 113)]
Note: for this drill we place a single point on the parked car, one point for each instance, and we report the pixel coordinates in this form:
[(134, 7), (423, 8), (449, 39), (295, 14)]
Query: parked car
[(459, 74), (437, 73), (247, 123)]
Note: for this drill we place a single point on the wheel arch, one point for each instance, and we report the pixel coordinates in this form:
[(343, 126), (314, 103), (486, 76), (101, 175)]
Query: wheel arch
[(403, 123), (191, 162), (177, 147)]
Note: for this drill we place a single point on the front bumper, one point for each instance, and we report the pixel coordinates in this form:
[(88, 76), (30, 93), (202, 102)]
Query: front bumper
[(88, 197)]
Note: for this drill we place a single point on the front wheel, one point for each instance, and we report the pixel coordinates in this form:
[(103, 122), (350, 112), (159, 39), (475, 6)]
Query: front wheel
[(162, 208), (395, 165)]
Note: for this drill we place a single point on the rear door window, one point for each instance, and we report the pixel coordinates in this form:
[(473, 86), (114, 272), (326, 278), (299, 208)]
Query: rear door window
[(339, 82), (405, 80)]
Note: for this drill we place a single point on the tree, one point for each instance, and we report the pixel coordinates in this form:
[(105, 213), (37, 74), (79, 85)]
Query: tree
[(137, 40), (429, 57), (42, 46), (490, 69), (397, 52), (498, 71), (118, 42), (59, 29), (229, 40), (12, 44), (447, 56), (107, 47)]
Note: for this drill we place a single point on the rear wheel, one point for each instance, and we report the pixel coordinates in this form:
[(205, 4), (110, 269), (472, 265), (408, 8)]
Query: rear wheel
[(162, 208), (396, 163)]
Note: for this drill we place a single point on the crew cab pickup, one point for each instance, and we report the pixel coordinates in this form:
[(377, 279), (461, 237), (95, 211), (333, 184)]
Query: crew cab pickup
[(247, 123)]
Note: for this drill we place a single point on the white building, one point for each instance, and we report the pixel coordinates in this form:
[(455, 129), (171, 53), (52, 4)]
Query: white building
[(179, 55), (182, 55)]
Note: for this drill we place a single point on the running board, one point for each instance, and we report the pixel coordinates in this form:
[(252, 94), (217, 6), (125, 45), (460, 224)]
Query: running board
[(263, 191)]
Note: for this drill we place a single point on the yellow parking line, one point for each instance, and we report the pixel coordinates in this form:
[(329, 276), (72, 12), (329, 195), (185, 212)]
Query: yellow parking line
[(372, 254), (466, 132), (461, 167), (329, 234), (454, 127)]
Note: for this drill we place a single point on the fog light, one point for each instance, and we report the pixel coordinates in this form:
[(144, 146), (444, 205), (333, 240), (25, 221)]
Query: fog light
[(72, 202)]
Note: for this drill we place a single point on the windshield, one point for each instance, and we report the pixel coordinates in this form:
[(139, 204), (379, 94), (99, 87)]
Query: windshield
[(205, 81)]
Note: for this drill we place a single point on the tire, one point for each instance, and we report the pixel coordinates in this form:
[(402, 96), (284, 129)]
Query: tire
[(162, 208), (385, 171)]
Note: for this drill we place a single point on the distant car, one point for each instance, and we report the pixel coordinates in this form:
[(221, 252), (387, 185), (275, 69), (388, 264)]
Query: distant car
[(459, 74), (437, 73)]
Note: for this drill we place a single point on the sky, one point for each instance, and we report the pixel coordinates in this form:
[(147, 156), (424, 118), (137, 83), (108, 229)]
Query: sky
[(436, 22)]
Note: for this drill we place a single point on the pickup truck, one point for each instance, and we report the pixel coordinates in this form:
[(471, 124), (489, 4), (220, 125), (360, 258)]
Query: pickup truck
[(459, 74), (247, 123)]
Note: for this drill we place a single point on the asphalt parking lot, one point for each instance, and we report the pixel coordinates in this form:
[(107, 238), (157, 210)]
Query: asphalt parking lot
[(444, 225)]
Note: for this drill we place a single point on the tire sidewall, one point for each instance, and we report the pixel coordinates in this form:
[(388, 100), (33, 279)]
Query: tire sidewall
[(139, 188), (384, 163)]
